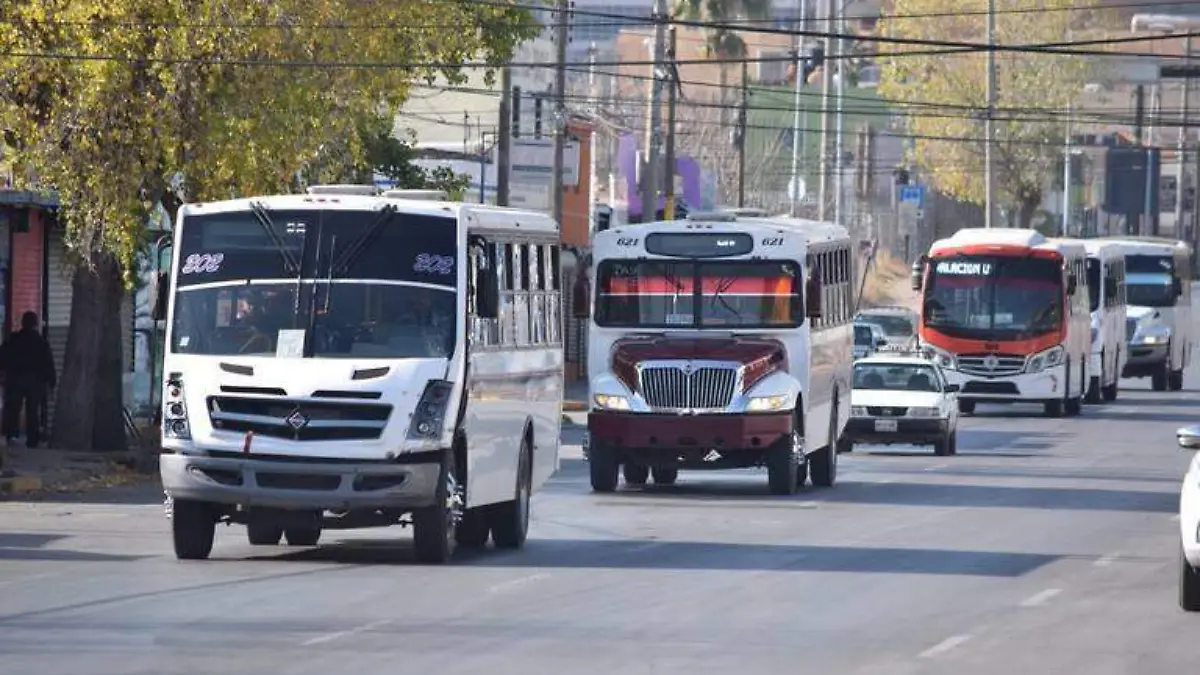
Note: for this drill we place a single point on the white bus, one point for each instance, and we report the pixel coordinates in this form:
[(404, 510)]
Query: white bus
[(719, 342), (1106, 293), (346, 359), (1158, 290), (1005, 314)]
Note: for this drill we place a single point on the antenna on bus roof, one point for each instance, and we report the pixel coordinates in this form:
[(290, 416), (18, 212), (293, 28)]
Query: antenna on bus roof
[(428, 195), (363, 190)]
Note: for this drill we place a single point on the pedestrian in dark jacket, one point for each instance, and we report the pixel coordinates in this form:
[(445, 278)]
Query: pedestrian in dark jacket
[(28, 367)]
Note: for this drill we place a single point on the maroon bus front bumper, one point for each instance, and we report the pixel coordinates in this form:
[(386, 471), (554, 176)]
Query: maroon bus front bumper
[(689, 441)]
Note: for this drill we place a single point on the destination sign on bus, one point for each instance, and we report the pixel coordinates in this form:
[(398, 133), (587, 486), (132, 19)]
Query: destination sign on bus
[(699, 244), (964, 268)]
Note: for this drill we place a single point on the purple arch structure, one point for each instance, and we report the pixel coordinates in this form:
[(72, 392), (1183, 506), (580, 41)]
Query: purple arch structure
[(685, 167)]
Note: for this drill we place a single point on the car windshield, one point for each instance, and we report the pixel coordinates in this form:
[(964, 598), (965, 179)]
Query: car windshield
[(863, 336), (893, 325), (239, 294), (895, 376), (994, 297), (670, 294), (1093, 283), (1149, 281)]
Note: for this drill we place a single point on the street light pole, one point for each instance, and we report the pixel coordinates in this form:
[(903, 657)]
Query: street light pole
[(989, 124), (1181, 153)]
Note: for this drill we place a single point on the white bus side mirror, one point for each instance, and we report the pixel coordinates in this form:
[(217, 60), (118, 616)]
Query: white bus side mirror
[(812, 298), (1189, 437), (581, 296), (161, 295)]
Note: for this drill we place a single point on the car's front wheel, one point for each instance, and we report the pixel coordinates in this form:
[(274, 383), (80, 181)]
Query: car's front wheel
[(1189, 585)]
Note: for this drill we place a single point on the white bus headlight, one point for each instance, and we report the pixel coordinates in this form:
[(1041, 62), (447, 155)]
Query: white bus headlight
[(923, 412), (765, 403), (430, 416), (175, 418), (943, 359), (611, 402), (859, 411), (1047, 359)]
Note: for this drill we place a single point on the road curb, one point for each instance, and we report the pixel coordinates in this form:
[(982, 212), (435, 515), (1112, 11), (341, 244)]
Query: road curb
[(19, 485)]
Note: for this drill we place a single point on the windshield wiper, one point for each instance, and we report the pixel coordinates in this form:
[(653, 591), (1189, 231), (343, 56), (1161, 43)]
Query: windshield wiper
[(342, 264), (290, 264)]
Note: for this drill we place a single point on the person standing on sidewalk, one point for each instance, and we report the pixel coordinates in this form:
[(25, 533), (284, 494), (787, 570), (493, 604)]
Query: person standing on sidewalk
[(28, 367)]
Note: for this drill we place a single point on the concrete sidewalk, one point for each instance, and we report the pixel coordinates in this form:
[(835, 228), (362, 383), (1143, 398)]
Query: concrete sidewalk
[(575, 396)]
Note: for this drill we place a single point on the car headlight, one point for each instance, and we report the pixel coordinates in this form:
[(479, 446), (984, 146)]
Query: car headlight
[(859, 411), (765, 403), (1047, 359), (924, 412), (1156, 335), (611, 402)]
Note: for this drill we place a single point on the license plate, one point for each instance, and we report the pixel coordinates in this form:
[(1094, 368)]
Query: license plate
[(886, 425)]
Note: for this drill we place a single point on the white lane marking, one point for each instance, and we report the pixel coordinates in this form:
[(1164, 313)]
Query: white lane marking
[(1040, 598), (514, 583), (944, 646), (1175, 517), (1107, 559), (936, 467), (330, 637)]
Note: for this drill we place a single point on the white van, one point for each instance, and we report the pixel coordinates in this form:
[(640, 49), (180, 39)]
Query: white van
[(1106, 293), (1158, 290)]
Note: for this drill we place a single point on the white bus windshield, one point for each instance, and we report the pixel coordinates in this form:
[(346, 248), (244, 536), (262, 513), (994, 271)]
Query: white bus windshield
[(1149, 280), (304, 289), (686, 294), (986, 297)]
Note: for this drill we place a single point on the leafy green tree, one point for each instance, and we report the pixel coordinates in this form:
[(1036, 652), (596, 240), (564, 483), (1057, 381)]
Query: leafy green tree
[(947, 94), (120, 105)]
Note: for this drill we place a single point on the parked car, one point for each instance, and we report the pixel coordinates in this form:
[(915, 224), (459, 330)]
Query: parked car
[(868, 339), (902, 400), (1189, 524), (899, 326)]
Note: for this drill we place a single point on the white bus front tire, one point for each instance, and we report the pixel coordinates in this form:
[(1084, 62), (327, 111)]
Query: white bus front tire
[(1189, 585), (193, 528), (434, 526), (602, 468), (783, 464)]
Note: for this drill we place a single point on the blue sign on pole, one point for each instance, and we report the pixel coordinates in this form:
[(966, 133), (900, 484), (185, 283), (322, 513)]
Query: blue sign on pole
[(914, 194)]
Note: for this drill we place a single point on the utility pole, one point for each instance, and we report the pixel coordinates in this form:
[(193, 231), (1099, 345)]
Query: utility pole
[(798, 132), (503, 140), (989, 177), (672, 96), (743, 114), (1066, 201), (654, 117), (839, 170), (560, 110), (1181, 182), (826, 111)]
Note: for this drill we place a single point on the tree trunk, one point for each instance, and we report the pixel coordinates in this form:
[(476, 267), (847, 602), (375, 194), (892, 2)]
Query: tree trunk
[(1026, 210), (88, 406)]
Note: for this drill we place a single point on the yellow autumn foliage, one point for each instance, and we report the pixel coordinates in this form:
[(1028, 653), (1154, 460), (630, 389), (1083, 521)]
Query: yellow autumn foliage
[(945, 94)]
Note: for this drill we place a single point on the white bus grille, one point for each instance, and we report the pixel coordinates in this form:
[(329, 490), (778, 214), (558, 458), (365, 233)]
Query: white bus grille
[(991, 365), (703, 389)]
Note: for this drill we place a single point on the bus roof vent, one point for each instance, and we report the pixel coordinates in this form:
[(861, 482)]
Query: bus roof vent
[(713, 216), (362, 190), (427, 195)]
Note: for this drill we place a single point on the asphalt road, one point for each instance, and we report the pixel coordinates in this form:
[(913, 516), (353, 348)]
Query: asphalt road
[(1044, 546)]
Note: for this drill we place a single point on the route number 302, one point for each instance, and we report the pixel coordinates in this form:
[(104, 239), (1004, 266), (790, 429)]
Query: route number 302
[(202, 263)]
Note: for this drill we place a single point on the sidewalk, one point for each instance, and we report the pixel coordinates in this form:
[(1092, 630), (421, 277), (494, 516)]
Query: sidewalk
[(575, 396), (41, 471)]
